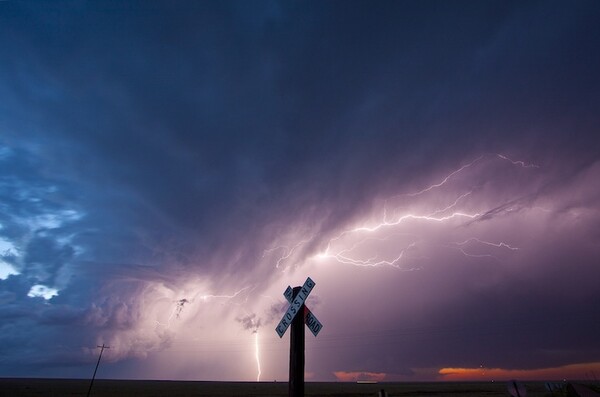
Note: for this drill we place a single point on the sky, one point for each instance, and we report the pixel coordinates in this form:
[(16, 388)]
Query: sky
[(168, 169)]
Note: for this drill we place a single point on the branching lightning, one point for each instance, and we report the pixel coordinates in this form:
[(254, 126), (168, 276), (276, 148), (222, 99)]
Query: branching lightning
[(446, 179), (342, 257), (365, 245), (287, 252), (499, 245), (462, 249), (434, 216)]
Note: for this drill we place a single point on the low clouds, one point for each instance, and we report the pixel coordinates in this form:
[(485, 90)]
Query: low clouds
[(169, 172)]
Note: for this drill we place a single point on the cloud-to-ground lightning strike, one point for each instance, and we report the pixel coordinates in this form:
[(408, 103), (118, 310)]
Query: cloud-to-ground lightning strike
[(252, 323), (255, 325), (257, 355), (351, 246)]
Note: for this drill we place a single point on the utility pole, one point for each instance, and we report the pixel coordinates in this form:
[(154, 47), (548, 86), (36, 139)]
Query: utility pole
[(97, 364)]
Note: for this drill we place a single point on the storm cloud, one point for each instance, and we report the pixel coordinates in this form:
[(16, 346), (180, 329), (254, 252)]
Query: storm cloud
[(167, 170)]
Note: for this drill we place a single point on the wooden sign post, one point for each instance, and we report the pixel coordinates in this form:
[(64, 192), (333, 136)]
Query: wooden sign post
[(296, 296)]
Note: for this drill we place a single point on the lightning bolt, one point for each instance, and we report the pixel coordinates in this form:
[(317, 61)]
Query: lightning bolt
[(462, 168), (434, 216), (445, 180), (461, 248), (346, 246), (179, 304), (370, 262), (257, 355), (287, 252), (206, 298), (252, 323), (521, 163), (499, 245)]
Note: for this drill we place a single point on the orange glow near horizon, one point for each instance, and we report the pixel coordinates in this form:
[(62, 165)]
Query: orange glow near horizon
[(574, 371), (345, 376)]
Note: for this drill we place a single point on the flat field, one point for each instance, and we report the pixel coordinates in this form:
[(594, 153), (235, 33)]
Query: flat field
[(22, 387)]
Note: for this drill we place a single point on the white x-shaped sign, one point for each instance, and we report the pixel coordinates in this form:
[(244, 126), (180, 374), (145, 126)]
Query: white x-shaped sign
[(311, 321)]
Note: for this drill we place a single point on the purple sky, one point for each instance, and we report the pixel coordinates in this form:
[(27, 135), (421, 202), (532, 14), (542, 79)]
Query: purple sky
[(166, 171)]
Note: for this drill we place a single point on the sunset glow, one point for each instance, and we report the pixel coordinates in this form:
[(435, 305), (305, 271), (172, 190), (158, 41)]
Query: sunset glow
[(579, 372)]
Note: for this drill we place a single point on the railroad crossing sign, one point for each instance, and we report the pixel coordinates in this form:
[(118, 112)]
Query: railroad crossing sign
[(296, 297), (295, 304), (311, 321)]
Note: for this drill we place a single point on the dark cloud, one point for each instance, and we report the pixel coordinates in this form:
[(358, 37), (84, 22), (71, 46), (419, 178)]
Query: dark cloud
[(250, 322), (207, 155)]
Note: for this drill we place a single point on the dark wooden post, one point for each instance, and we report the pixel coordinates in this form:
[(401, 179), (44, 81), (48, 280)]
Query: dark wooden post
[(296, 380)]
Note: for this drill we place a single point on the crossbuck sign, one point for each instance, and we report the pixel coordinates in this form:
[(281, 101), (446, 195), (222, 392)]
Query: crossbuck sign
[(295, 304)]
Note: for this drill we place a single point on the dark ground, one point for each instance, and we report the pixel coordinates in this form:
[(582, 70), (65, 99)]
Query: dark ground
[(139, 388)]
